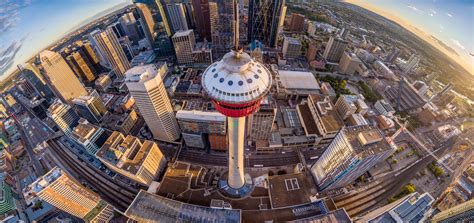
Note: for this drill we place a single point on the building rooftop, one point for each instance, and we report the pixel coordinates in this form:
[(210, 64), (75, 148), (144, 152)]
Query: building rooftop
[(328, 114), (84, 131), (298, 80), (200, 115), (290, 190), (307, 120), (366, 140), (127, 153), (141, 74), (292, 40), (182, 33), (147, 207)]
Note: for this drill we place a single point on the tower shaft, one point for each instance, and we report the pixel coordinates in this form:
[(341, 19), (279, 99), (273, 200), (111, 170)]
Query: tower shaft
[(236, 132)]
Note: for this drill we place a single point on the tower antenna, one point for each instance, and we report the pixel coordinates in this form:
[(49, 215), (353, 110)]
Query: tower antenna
[(236, 26)]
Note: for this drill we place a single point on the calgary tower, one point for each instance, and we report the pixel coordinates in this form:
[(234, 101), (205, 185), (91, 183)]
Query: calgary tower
[(236, 85)]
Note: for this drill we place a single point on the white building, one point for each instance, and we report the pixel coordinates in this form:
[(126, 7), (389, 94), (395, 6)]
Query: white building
[(335, 47), (353, 152), (382, 70), (384, 108), (63, 116), (146, 85), (60, 76), (89, 136)]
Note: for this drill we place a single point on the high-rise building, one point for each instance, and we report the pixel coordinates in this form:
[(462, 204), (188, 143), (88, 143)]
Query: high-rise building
[(202, 17), (393, 55), (353, 152), (109, 47), (264, 20), (82, 66), (184, 43), (256, 50), (312, 51), (118, 29), (410, 64), (334, 49), (384, 108), (177, 15), (261, 122), (33, 76), (65, 193), (349, 63), (202, 53), (126, 47), (64, 117), (129, 156), (90, 107), (296, 22), (130, 27), (463, 212), (89, 136), (196, 126), (60, 77), (405, 97), (146, 86), (291, 47), (92, 56), (146, 21), (221, 14), (347, 105)]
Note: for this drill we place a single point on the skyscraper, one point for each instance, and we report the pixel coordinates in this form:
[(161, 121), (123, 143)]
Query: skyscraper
[(64, 117), (130, 27), (90, 107), (109, 46), (177, 13), (411, 63), (64, 192), (147, 22), (146, 86), (82, 66), (334, 49), (393, 55), (261, 122), (60, 77), (353, 152), (264, 19), (33, 76), (184, 43), (202, 17), (296, 22)]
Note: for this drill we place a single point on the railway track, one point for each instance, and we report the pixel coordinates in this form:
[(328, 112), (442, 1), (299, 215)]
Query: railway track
[(118, 196)]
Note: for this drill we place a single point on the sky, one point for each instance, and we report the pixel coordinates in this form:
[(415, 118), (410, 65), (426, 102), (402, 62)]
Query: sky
[(28, 26), (451, 21)]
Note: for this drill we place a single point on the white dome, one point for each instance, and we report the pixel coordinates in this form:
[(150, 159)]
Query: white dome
[(236, 78)]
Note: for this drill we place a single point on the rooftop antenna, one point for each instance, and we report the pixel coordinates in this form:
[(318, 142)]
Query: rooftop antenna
[(236, 27)]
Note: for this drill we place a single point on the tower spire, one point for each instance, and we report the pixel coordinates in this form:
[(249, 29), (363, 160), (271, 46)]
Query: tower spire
[(236, 25)]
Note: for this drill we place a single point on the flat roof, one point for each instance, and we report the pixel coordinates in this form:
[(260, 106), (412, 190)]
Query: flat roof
[(290, 190), (200, 115), (182, 33), (308, 122), (147, 207), (298, 80), (373, 135)]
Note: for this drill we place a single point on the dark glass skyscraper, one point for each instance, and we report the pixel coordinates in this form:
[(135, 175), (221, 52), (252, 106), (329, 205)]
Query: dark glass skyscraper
[(264, 17)]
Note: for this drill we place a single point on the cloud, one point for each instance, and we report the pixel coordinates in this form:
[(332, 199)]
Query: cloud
[(7, 55), (9, 13), (413, 8), (433, 11), (458, 44), (448, 14)]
